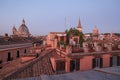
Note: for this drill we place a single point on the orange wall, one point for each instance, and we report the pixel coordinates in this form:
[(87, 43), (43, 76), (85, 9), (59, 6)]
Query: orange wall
[(106, 60), (86, 63), (4, 53)]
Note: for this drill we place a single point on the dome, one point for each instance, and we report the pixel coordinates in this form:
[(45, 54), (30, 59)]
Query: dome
[(95, 31), (23, 30), (14, 31)]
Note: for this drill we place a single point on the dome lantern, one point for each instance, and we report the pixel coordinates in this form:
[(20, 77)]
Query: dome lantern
[(23, 21)]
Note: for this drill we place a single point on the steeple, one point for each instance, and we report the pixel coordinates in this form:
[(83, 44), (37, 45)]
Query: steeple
[(79, 28), (79, 24)]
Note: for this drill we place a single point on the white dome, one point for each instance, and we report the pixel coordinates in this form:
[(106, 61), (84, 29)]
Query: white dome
[(23, 30)]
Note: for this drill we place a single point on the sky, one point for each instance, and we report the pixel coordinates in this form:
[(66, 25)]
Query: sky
[(44, 16)]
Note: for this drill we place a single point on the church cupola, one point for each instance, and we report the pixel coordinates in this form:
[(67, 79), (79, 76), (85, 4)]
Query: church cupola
[(23, 30), (23, 21), (95, 31), (14, 30)]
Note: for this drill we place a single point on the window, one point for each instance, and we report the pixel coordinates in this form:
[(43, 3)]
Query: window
[(25, 51), (9, 56), (76, 39), (94, 63), (97, 62), (60, 66), (75, 64), (111, 61), (101, 62), (18, 54), (114, 61), (0, 61), (118, 60)]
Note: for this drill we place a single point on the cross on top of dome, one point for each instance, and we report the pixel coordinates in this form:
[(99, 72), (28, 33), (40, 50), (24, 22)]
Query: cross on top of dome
[(23, 21)]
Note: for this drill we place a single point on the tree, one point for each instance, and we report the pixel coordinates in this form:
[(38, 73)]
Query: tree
[(74, 32), (81, 40)]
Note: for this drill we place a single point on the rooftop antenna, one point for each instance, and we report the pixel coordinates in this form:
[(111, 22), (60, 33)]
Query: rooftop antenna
[(65, 22)]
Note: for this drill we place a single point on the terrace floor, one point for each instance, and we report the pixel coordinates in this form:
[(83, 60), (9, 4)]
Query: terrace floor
[(97, 74)]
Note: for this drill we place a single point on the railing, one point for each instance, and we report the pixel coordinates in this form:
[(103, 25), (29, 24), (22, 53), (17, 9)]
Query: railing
[(95, 53), (40, 65), (94, 49)]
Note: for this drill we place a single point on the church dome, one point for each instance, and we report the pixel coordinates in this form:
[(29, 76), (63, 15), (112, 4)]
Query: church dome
[(14, 31), (23, 30), (95, 31)]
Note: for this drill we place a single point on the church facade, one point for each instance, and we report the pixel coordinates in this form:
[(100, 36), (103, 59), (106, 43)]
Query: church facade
[(23, 30)]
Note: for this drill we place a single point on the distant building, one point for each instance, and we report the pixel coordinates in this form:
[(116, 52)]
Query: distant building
[(13, 52), (95, 31), (54, 37), (23, 30)]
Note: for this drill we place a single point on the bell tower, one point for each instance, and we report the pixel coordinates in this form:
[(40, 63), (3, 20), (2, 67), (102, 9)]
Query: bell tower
[(79, 27)]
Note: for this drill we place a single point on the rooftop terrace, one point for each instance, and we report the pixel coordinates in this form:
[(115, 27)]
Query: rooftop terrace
[(82, 75)]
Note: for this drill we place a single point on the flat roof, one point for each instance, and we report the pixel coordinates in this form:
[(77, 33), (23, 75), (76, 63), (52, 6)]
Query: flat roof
[(79, 75), (14, 46)]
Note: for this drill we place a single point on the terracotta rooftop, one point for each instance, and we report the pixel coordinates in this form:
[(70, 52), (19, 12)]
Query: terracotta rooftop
[(56, 55)]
